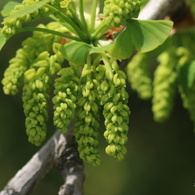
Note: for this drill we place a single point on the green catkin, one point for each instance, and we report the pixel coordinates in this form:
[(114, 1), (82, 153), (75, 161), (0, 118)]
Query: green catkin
[(78, 97), (114, 100), (35, 96), (11, 25), (138, 75), (56, 59), (87, 122), (13, 74), (115, 12), (25, 56), (165, 84), (66, 87)]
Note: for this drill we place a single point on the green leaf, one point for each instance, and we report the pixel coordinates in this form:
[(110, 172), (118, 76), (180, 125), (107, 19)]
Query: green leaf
[(122, 47), (75, 52), (8, 8), (149, 34), (2, 40), (142, 35), (26, 10)]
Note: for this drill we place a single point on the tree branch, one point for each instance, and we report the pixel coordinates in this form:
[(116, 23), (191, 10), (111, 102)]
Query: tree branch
[(52, 153), (159, 9), (72, 170)]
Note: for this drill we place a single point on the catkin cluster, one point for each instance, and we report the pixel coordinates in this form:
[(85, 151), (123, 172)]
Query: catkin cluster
[(79, 90), (13, 75), (87, 118), (165, 85), (117, 11), (37, 83), (114, 98), (102, 85), (79, 93), (11, 24), (66, 88), (35, 96), (139, 75), (175, 70), (33, 65), (26, 56), (15, 21)]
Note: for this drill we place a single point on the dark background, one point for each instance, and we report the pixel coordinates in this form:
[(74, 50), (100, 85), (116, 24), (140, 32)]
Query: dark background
[(160, 158)]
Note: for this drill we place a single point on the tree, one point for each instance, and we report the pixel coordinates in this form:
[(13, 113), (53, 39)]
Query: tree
[(117, 50)]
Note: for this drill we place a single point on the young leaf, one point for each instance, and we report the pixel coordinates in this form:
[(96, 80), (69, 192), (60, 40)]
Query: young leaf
[(26, 10), (122, 47), (2, 40), (142, 35), (8, 8), (149, 34), (75, 52)]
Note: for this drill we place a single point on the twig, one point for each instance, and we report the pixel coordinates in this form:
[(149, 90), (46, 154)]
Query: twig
[(159, 9), (49, 155), (72, 170)]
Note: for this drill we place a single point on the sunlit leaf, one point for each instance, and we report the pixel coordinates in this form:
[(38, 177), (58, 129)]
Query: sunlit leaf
[(141, 35), (8, 8), (122, 47), (27, 10), (2, 40), (75, 52), (149, 34)]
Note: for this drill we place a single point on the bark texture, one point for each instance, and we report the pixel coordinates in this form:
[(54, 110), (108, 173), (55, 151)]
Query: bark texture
[(59, 151)]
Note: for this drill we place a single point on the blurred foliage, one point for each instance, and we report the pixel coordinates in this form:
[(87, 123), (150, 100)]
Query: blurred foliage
[(160, 157)]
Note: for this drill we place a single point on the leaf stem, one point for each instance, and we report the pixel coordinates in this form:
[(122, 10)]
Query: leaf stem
[(77, 30), (99, 31), (77, 20), (48, 31), (65, 24), (93, 15), (81, 13)]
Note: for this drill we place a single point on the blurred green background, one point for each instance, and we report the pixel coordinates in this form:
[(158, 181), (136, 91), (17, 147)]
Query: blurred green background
[(160, 158)]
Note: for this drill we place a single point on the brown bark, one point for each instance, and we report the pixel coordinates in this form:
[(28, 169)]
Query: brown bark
[(59, 151)]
